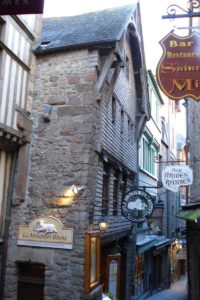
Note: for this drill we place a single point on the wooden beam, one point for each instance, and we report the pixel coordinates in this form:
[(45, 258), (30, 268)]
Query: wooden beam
[(112, 82), (104, 72)]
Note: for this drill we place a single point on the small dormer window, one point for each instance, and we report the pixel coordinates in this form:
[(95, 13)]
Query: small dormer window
[(44, 44)]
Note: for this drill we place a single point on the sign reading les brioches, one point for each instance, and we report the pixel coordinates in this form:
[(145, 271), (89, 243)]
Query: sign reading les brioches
[(20, 7), (178, 71)]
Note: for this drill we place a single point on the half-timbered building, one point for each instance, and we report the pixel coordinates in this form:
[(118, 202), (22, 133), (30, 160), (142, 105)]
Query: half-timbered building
[(17, 67), (90, 107)]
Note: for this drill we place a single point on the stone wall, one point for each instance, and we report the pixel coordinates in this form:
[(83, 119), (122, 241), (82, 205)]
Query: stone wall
[(68, 125), (62, 154)]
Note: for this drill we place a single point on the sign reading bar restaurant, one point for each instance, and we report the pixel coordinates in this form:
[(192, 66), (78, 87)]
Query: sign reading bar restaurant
[(20, 7), (175, 176), (46, 232), (178, 71)]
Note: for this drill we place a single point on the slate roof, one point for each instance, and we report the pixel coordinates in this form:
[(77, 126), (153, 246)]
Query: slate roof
[(88, 29)]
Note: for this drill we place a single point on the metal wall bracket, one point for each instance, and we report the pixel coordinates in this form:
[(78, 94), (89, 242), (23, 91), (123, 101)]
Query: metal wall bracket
[(174, 9), (144, 187)]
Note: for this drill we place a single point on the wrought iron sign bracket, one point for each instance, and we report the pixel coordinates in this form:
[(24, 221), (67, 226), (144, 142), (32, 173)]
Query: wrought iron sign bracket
[(192, 160), (144, 187), (172, 10)]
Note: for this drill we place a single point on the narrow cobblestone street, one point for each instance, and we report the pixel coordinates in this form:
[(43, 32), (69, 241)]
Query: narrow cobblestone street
[(176, 292)]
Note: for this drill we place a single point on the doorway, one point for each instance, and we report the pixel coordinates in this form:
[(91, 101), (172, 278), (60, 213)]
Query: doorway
[(30, 281)]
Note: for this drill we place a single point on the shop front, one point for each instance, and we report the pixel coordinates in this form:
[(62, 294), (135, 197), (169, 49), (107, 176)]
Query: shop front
[(117, 265), (152, 265)]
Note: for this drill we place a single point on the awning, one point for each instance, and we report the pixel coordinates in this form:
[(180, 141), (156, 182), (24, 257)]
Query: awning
[(144, 248), (189, 214), (162, 243)]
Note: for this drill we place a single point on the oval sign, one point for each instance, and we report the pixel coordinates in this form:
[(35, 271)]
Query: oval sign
[(175, 176), (178, 70), (137, 206)]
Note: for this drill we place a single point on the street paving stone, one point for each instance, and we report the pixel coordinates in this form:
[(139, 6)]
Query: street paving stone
[(176, 292)]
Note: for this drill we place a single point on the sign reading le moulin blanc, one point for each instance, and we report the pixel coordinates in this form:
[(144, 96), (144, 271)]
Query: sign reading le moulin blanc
[(178, 71), (20, 7), (45, 232), (175, 176)]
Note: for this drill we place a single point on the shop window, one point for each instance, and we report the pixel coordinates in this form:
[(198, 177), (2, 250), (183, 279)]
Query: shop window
[(105, 188), (116, 184), (30, 281), (92, 261)]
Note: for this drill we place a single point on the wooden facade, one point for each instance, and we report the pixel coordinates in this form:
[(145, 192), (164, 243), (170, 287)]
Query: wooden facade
[(17, 35), (90, 106)]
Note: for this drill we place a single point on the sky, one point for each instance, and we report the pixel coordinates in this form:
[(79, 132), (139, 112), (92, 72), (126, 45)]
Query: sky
[(154, 27)]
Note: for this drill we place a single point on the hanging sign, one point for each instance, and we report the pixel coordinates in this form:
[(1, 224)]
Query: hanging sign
[(175, 176), (178, 71), (137, 206), (20, 7), (45, 232)]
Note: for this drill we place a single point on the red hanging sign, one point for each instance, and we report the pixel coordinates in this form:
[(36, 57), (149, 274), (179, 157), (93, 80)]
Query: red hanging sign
[(20, 7), (178, 71)]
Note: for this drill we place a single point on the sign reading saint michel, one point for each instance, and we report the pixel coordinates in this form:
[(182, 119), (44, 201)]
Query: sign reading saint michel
[(178, 71)]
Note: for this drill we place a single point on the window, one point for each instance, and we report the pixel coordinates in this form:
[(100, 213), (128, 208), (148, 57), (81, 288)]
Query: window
[(155, 106), (127, 67), (2, 22), (164, 131), (105, 188), (122, 121), (124, 185), (130, 131), (114, 106), (116, 184), (148, 151)]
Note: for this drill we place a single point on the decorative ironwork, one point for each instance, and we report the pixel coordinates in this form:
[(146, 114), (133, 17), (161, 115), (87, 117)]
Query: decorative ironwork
[(158, 161), (144, 187), (173, 10)]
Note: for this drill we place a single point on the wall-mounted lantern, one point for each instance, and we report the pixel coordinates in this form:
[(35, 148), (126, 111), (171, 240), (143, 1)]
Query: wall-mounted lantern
[(103, 223), (68, 195)]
